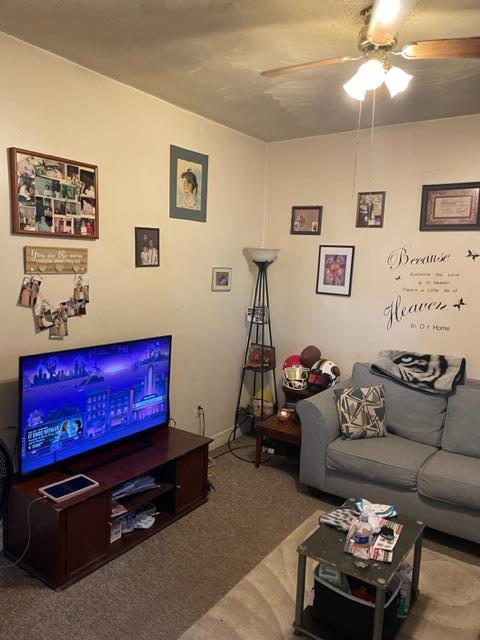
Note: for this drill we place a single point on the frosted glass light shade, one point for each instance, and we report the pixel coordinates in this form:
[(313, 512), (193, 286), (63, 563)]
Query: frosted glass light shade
[(371, 74), (355, 89), (259, 254), (397, 80)]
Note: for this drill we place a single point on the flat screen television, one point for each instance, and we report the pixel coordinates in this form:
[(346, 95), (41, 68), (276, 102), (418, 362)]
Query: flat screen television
[(74, 401)]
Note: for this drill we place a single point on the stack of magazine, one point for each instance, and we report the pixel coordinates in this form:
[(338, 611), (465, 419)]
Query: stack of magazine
[(381, 549)]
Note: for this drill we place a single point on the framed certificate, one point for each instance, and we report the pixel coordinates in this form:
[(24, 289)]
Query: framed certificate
[(450, 207)]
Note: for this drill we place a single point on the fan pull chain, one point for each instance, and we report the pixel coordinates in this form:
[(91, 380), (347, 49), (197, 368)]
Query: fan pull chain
[(372, 126), (357, 143)]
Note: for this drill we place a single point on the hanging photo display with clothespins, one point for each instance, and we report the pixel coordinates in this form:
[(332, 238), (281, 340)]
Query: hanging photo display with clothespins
[(43, 316), (59, 329), (54, 317), (29, 291)]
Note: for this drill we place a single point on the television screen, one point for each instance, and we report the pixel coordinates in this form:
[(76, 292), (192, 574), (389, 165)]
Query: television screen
[(77, 400)]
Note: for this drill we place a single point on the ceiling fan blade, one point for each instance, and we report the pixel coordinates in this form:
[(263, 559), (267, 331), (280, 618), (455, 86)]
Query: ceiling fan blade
[(386, 19), (314, 64), (452, 48)]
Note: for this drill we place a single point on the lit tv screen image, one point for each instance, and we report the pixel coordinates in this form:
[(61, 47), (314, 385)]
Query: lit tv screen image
[(77, 400)]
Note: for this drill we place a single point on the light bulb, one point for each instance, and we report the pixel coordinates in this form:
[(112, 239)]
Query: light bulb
[(371, 74), (397, 80), (387, 10), (355, 89)]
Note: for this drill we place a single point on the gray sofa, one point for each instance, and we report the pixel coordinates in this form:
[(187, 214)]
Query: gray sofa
[(428, 465)]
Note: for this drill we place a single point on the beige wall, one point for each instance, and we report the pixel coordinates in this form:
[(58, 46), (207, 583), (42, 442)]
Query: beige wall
[(53, 106), (320, 171)]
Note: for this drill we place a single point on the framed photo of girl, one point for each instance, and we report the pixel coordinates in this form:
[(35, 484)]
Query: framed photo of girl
[(52, 196), (335, 268), (188, 184), (147, 247)]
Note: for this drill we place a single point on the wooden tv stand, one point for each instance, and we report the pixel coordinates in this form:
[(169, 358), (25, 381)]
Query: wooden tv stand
[(72, 538)]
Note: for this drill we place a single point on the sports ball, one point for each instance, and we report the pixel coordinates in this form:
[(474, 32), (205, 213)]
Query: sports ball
[(310, 355)]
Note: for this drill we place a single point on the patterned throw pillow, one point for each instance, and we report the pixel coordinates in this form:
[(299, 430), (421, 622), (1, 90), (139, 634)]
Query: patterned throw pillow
[(361, 411)]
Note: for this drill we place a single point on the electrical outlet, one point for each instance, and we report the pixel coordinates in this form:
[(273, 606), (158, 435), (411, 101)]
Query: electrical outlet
[(198, 408)]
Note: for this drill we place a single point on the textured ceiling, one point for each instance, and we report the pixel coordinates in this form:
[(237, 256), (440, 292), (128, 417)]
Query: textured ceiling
[(206, 56)]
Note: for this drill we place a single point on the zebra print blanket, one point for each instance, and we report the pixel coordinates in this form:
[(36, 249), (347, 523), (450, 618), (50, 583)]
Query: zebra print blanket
[(435, 374)]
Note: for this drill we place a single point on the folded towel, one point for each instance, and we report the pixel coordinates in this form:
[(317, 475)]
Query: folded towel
[(425, 372)]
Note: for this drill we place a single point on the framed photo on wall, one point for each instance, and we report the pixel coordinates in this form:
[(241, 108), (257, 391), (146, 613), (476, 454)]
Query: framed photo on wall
[(147, 247), (450, 207), (370, 209), (335, 268), (221, 278), (188, 184), (52, 196), (306, 220)]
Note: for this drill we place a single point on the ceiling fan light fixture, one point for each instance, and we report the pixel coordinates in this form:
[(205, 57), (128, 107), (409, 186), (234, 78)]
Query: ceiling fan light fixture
[(355, 88), (397, 80), (371, 74)]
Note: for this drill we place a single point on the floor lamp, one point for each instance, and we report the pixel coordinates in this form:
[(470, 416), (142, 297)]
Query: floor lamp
[(259, 334)]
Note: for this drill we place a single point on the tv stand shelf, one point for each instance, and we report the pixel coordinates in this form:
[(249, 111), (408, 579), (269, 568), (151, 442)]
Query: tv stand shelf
[(71, 539)]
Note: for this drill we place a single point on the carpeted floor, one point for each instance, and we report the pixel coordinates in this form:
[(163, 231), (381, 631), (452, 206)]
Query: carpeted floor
[(261, 605), (161, 587)]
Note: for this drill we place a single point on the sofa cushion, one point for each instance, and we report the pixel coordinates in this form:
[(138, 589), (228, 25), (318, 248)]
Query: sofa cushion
[(451, 478), (462, 426), (361, 411), (409, 413), (393, 461)]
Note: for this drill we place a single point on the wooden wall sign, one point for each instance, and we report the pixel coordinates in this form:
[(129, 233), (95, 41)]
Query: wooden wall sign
[(55, 260)]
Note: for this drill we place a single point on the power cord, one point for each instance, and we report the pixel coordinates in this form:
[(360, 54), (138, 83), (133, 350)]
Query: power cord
[(242, 446), (203, 429), (29, 538)]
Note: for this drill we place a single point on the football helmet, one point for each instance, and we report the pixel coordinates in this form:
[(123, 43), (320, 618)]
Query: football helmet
[(327, 367), (295, 375), (318, 381)]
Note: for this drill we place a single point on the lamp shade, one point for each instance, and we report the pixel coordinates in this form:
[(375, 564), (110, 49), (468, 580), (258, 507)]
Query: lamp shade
[(371, 74), (259, 254), (355, 88), (397, 80)]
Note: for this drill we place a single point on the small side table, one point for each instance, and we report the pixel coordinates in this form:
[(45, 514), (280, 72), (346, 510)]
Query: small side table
[(287, 431), (326, 545)]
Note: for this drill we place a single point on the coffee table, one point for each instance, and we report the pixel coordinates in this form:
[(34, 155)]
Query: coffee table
[(326, 545)]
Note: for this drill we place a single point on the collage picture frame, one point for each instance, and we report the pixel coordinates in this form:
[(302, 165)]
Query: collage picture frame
[(53, 196)]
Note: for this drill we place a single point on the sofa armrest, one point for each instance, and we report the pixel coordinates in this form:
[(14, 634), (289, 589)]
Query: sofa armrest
[(320, 426)]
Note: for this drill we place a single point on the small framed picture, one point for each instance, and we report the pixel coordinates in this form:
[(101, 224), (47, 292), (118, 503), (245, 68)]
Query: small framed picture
[(52, 196), (450, 207), (306, 220), (147, 247), (370, 209), (221, 278), (261, 357), (188, 184), (335, 268), (258, 315)]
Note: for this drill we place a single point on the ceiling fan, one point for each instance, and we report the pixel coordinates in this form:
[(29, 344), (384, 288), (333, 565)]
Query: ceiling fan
[(376, 41)]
